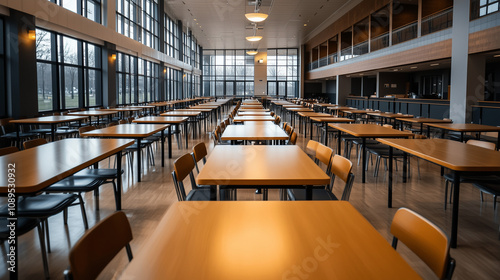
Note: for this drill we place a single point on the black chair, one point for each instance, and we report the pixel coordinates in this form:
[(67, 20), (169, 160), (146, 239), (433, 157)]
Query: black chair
[(339, 166), (183, 167)]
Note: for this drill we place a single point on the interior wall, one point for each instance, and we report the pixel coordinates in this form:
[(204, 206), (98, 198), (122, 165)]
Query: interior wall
[(391, 83), (260, 74)]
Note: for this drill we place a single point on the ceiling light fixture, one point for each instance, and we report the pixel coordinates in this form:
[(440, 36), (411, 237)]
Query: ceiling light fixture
[(254, 38), (256, 16), (252, 52), (435, 64), (413, 67)]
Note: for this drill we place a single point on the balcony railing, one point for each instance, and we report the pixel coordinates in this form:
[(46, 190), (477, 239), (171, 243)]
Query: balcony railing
[(323, 61), (346, 54), (379, 42), (405, 33), (332, 58), (360, 49), (437, 21)]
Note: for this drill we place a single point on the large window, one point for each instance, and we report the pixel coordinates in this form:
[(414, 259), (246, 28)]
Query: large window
[(69, 72), (282, 72), (90, 9), (173, 79), (186, 47), (3, 97), (137, 80), (138, 19), (171, 34), (228, 73)]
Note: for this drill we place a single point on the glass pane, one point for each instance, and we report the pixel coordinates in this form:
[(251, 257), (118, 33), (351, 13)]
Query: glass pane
[(71, 87), (43, 46), (70, 50), (493, 8), (44, 83), (70, 5)]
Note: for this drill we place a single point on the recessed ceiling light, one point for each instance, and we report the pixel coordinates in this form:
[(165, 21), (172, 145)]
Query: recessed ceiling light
[(254, 38), (252, 52), (194, 19), (256, 17), (305, 24), (414, 67), (435, 64)]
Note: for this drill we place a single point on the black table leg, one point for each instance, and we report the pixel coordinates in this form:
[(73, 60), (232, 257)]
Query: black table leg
[(326, 133), (461, 136), (186, 132), (170, 141), (162, 139), (18, 128), (339, 144), (454, 217), (363, 176), (311, 128), (138, 142), (118, 192), (389, 190), (405, 166), (309, 193), (53, 132)]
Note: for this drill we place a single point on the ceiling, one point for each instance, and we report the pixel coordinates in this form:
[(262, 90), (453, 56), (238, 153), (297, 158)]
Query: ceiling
[(221, 24)]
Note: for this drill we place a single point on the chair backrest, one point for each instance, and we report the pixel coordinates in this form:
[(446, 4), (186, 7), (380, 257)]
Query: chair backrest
[(122, 121), (277, 120), (311, 148), (183, 166), (84, 129), (425, 239), (33, 143), (288, 129), (98, 246), (199, 153), (284, 125), (8, 150), (341, 167), (419, 136), (324, 155), (293, 138), (387, 125), (484, 144), (112, 124)]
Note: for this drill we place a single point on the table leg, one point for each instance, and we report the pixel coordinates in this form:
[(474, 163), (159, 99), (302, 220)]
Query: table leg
[(118, 193), (339, 144), (461, 136), (138, 141), (309, 193), (422, 129), (389, 189), (454, 217), (428, 131), (18, 137), (162, 139), (405, 166), (363, 176), (186, 132), (498, 141), (311, 128), (53, 132), (326, 133), (170, 141)]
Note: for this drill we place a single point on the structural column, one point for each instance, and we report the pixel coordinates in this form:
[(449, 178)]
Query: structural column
[(343, 89)]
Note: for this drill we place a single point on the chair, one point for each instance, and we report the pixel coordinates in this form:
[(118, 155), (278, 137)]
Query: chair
[(293, 138), (99, 246), (25, 225), (8, 150), (339, 166), (425, 239), (199, 153), (33, 143), (311, 148), (183, 166), (471, 177), (8, 132)]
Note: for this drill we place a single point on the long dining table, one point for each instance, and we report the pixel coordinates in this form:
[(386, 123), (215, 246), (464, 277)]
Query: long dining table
[(262, 166), (135, 131), (250, 240), (459, 157), (253, 132)]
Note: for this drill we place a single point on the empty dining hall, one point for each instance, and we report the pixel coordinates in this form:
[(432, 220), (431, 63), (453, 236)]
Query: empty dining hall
[(257, 139)]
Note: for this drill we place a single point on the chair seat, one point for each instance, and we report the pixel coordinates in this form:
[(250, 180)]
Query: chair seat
[(24, 225), (473, 178), (384, 152), (201, 194), (42, 205), (317, 194), (359, 141), (75, 184), (101, 173), (488, 187), (21, 135)]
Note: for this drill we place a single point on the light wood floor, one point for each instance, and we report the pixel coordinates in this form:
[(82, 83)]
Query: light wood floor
[(478, 254)]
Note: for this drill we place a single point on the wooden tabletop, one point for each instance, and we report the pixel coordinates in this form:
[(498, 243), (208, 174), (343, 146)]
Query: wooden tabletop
[(249, 240), (356, 111), (370, 130), (253, 110), (303, 109), (388, 115), (44, 165), (48, 120), (182, 113), (423, 120), (451, 154), (126, 131), (465, 127), (122, 109), (160, 120), (253, 118), (261, 165), (201, 106), (341, 108), (94, 113), (142, 106), (331, 119), (254, 132), (314, 114), (293, 106), (197, 109), (254, 113), (251, 107)]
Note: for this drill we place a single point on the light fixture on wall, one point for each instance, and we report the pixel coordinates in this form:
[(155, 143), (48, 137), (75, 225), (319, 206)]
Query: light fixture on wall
[(254, 38), (164, 70), (252, 52), (261, 61), (113, 56), (31, 33)]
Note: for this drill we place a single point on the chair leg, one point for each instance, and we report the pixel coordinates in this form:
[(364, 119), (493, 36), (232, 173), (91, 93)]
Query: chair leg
[(45, 225), (43, 250), (84, 213), (481, 194), (377, 165), (96, 198)]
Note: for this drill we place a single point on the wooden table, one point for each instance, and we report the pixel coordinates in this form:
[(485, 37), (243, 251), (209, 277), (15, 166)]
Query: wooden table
[(421, 121), (296, 110), (94, 113), (160, 120), (465, 127), (254, 113), (456, 156), (137, 131), (177, 121), (253, 118), (364, 131), (325, 121), (391, 116), (249, 240), (53, 121), (306, 115), (44, 165), (251, 107), (253, 110), (254, 133), (262, 166)]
